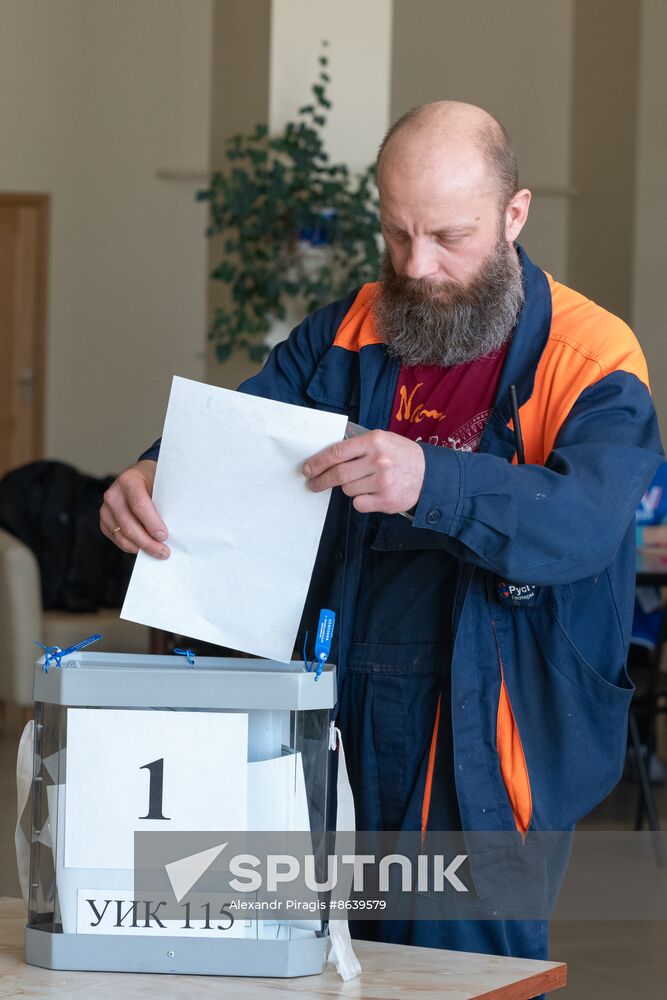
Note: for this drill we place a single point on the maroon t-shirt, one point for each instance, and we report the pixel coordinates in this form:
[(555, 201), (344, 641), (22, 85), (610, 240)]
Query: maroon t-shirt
[(447, 406)]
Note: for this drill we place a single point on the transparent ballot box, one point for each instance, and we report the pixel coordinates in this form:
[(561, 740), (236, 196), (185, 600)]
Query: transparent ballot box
[(151, 777)]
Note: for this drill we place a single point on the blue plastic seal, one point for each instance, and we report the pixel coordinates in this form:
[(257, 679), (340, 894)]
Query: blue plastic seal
[(54, 654), (325, 630), (188, 654)]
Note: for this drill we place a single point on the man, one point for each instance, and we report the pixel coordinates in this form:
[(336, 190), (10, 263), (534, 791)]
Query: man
[(481, 645)]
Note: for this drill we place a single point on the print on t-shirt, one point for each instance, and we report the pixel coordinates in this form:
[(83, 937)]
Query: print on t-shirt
[(448, 407)]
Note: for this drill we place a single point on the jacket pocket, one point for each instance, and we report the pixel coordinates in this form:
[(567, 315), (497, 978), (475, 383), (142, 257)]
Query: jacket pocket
[(572, 721), (566, 657)]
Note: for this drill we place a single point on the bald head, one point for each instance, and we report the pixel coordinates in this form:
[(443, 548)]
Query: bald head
[(458, 136)]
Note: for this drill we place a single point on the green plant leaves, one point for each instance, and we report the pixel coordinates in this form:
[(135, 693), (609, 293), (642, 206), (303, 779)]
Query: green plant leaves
[(274, 190)]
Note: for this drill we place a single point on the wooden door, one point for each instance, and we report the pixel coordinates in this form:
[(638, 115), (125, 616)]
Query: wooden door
[(23, 278)]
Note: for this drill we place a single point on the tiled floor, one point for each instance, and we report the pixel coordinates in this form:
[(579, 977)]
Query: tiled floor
[(607, 960)]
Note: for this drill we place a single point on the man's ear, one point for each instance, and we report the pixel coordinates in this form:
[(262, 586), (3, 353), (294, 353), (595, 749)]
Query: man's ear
[(516, 214)]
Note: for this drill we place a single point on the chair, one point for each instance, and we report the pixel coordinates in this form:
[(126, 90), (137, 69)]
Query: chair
[(23, 621), (647, 705)]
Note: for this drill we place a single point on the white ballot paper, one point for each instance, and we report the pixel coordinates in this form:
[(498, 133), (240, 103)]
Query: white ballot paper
[(136, 769), (277, 798), (243, 525)]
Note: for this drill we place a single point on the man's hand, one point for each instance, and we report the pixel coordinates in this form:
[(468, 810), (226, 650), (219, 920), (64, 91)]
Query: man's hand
[(128, 515), (382, 471)]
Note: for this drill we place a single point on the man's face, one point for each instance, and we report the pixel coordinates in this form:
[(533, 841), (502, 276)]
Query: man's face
[(451, 283), (438, 224)]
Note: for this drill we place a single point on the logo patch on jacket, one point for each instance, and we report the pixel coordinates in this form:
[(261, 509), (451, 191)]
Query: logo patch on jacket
[(516, 593)]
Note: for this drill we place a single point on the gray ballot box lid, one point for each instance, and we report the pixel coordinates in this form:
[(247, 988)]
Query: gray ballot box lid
[(124, 680)]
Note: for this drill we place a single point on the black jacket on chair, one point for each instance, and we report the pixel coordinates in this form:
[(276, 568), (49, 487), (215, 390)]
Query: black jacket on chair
[(54, 510)]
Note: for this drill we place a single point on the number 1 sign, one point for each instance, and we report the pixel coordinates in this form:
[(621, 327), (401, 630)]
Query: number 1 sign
[(133, 770)]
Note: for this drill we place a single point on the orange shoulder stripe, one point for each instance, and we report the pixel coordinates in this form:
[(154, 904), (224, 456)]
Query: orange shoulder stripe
[(585, 344), (358, 329)]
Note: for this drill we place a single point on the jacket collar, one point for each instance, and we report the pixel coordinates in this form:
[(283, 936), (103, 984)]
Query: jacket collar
[(529, 338), (526, 348)]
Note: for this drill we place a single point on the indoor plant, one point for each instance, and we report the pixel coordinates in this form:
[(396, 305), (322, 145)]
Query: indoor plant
[(276, 204)]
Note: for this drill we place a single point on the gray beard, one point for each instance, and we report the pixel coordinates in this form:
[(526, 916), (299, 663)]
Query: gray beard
[(420, 328)]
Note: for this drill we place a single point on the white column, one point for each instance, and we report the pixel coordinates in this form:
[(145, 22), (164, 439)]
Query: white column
[(359, 36)]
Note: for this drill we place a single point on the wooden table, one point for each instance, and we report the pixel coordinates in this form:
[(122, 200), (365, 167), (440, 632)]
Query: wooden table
[(389, 972)]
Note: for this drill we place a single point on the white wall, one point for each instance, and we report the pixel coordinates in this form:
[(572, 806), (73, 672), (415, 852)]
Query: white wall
[(513, 58), (650, 279), (359, 36), (97, 96)]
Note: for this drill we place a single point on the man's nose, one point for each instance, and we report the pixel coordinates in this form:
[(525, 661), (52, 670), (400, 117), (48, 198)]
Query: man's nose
[(420, 262)]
